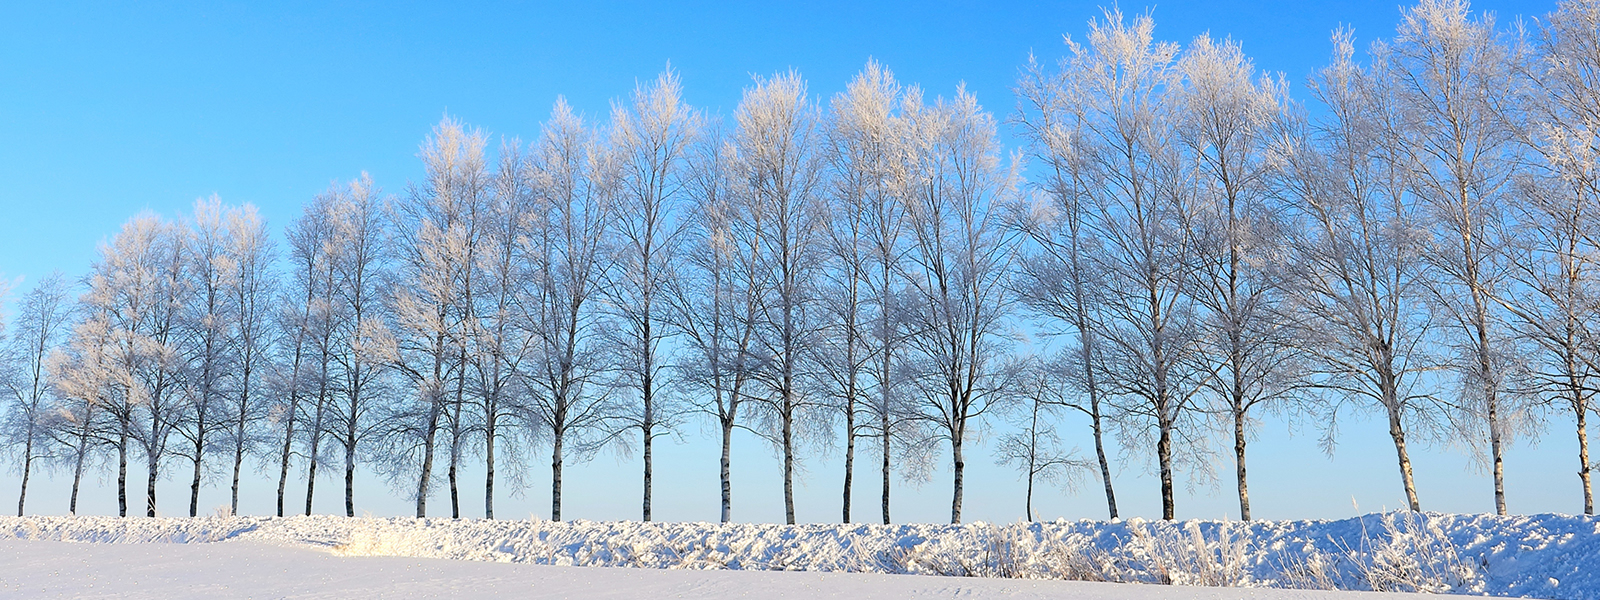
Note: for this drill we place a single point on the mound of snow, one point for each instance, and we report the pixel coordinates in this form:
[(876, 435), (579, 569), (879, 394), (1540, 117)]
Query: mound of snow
[(1542, 556)]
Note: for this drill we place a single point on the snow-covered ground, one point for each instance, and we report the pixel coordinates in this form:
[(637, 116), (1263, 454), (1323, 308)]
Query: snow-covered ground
[(243, 569), (1542, 556)]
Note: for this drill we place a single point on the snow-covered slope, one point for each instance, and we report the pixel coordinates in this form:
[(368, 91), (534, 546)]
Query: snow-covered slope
[(1542, 556)]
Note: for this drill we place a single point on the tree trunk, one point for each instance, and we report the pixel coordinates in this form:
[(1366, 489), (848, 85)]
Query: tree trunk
[(27, 467), (194, 487), (77, 478), (122, 473), (283, 458), (1100, 453), (884, 418), (849, 454), (649, 434), (555, 478), (1398, 434), (455, 494), (1238, 461), (488, 463), (350, 476), (788, 460), (1491, 390), (1164, 457), (1028, 505), (311, 465), (1583, 459), (727, 482), (647, 395), (960, 473), (432, 430), (851, 332), (238, 465), (455, 437), (150, 482), (316, 438), (1496, 455), (238, 440), (885, 376)]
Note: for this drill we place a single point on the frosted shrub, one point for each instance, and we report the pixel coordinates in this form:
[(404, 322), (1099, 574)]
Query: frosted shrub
[(1415, 555), (1187, 556)]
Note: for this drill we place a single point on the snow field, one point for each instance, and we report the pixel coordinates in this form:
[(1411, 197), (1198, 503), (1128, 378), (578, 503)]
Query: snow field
[(1543, 556), (256, 570)]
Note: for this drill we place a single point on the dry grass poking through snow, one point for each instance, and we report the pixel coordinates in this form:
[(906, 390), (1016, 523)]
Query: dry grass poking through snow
[(1547, 556)]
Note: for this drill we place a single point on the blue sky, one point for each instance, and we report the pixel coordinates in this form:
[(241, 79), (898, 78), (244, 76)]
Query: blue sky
[(110, 109)]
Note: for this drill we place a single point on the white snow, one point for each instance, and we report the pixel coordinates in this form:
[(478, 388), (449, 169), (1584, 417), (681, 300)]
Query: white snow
[(243, 569), (1543, 556)]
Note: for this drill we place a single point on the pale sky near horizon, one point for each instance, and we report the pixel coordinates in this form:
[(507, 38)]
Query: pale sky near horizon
[(108, 109)]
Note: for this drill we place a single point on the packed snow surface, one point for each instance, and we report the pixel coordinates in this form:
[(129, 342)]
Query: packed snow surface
[(1541, 556), (243, 569)]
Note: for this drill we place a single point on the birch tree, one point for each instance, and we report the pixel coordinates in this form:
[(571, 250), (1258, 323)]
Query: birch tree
[(1554, 264), (1141, 194), (776, 142), (502, 346), (1057, 278), (359, 334), (135, 294), (206, 340), (1034, 447), (1453, 82), (251, 284), (650, 136), (1359, 276), (575, 181), (956, 188), (304, 337), (81, 376), (715, 300), (438, 238), (43, 317), (863, 144), (1228, 118)]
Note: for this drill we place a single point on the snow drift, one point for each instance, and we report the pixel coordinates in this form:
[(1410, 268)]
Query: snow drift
[(1543, 556)]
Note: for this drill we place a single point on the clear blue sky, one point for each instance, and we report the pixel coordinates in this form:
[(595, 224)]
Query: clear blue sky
[(110, 109)]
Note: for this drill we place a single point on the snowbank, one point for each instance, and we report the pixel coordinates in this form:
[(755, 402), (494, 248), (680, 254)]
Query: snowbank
[(1542, 556)]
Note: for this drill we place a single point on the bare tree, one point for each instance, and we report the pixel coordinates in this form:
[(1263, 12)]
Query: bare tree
[(316, 257), (650, 136), (502, 346), (1227, 120), (574, 206), (1554, 261), (1359, 275), (1452, 79), (1056, 277), (863, 145), (1035, 448), (956, 189), (778, 159), (715, 299), (206, 339), (81, 376), (136, 292), (44, 314), (303, 328), (1141, 194), (359, 335), (439, 235), (251, 285)]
